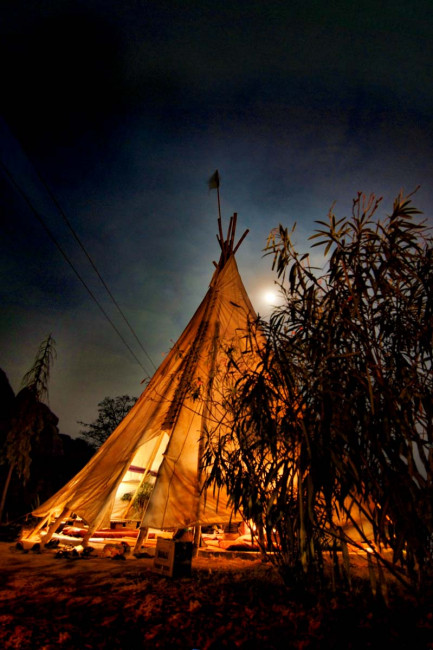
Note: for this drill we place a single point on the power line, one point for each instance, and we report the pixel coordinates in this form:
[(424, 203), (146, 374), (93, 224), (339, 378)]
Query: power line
[(80, 243), (68, 260)]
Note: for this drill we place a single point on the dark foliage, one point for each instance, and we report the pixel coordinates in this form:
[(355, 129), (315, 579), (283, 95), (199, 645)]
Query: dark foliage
[(7, 399), (45, 459), (111, 412), (28, 419), (332, 431)]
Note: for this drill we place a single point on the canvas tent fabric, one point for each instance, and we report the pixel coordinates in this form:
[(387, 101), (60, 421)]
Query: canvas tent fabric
[(161, 437)]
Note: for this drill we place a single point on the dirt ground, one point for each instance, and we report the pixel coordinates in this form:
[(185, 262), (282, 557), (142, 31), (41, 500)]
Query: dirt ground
[(48, 602)]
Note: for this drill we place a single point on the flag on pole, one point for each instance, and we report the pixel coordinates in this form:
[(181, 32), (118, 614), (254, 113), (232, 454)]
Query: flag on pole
[(214, 181)]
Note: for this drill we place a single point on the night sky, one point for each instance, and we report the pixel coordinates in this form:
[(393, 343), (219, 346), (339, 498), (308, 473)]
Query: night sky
[(126, 108)]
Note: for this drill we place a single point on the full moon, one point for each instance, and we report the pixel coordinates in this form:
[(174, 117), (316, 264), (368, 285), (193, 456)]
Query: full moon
[(270, 297)]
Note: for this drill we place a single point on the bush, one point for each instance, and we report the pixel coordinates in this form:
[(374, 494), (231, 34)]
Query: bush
[(331, 432)]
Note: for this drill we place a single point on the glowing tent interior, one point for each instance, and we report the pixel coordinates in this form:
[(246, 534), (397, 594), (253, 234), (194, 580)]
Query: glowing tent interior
[(158, 446)]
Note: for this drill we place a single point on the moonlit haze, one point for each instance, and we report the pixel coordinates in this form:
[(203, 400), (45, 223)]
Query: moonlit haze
[(125, 109)]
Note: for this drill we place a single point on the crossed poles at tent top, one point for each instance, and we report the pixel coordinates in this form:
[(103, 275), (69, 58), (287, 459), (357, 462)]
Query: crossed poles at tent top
[(227, 244)]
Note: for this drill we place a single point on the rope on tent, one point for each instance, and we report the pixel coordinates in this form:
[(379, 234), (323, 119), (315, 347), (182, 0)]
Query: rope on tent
[(184, 384)]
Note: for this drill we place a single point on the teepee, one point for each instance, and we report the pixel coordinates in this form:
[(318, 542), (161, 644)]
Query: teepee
[(159, 444)]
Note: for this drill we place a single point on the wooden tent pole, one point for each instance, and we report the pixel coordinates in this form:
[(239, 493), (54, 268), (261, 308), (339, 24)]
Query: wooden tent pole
[(37, 528), (220, 236), (216, 183), (96, 523), (142, 537), (197, 538), (233, 231), (101, 515), (87, 536), (54, 525), (147, 471), (227, 249), (241, 240), (219, 204)]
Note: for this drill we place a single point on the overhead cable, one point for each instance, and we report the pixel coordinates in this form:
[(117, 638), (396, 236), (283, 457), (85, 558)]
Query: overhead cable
[(80, 243), (68, 260)]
